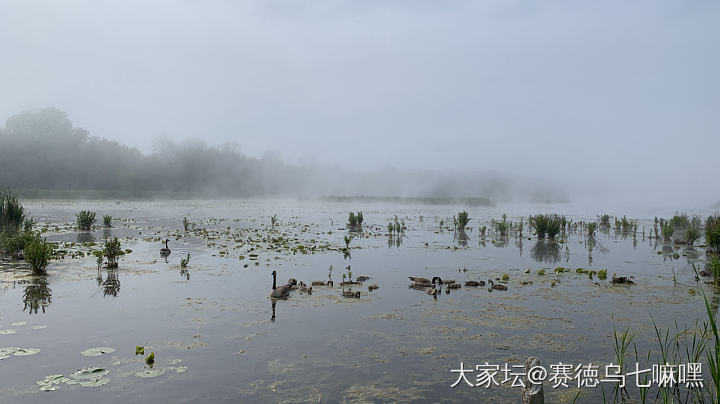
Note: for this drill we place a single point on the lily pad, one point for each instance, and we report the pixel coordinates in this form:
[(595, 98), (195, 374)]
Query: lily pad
[(18, 324), (148, 373), (97, 351), (7, 332), (12, 350)]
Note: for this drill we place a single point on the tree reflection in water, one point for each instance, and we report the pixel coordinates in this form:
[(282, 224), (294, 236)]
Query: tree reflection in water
[(37, 295), (547, 251)]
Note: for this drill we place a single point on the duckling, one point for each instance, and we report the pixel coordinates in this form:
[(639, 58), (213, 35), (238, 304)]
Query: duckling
[(472, 283), (318, 283), (450, 282), (373, 286), (454, 286), (495, 286), (280, 292), (362, 278), (304, 288)]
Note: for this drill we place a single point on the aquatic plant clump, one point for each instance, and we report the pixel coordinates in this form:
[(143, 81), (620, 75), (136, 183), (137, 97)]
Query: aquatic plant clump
[(185, 261), (85, 220), (549, 225), (107, 221), (37, 253), (112, 251)]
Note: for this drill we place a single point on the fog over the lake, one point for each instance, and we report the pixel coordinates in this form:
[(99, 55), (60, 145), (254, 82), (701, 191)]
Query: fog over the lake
[(610, 101)]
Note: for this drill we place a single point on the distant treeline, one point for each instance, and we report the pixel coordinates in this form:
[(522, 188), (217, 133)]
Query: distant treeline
[(42, 155), (41, 150)]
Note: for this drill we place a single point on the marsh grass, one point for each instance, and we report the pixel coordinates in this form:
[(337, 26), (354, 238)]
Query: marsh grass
[(712, 232), (186, 223), (85, 220), (547, 225), (591, 227), (12, 212), (107, 221)]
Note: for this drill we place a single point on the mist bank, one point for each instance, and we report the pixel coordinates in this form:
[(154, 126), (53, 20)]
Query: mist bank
[(43, 155)]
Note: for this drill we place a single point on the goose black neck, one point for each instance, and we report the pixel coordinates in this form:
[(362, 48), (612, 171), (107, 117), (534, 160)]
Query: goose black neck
[(274, 277)]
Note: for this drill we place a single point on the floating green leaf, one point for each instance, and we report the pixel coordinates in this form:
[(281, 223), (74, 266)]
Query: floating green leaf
[(139, 350), (150, 358)]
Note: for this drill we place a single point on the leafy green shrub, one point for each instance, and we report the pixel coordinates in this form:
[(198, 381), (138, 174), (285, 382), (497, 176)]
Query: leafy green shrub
[(712, 232), (112, 251), (12, 213), (107, 221), (13, 242), (352, 219), (37, 253), (85, 220), (462, 220)]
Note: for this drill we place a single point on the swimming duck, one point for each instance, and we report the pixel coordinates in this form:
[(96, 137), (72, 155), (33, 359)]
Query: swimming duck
[(279, 292), (362, 278), (454, 286), (473, 283)]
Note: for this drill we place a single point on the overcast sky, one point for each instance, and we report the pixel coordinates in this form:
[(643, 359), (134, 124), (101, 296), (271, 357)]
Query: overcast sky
[(611, 95)]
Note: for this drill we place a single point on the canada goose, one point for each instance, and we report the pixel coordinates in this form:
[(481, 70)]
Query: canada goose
[(373, 286), (448, 282), (472, 283), (330, 283), (304, 288), (432, 291), (454, 286), (318, 283), (165, 251), (495, 286), (362, 278), (281, 291), (424, 282)]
